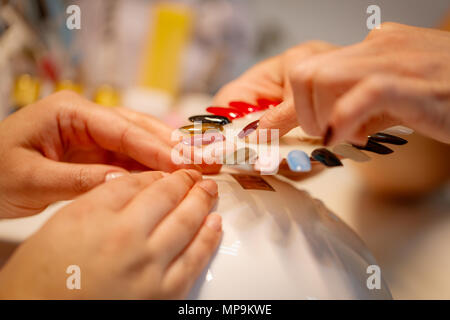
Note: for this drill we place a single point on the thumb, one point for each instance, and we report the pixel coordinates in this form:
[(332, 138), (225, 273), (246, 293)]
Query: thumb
[(55, 181), (283, 117)]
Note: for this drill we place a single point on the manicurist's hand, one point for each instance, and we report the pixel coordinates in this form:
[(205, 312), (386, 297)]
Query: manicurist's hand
[(140, 236), (397, 75), (65, 145)]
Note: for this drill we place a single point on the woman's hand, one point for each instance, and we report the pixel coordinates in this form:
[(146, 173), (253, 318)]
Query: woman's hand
[(397, 75), (65, 145), (140, 236)]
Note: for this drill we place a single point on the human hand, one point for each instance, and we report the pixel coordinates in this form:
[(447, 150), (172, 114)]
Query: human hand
[(65, 145), (140, 236), (397, 75)]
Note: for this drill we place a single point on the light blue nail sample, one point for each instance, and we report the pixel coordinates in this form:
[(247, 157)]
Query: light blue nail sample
[(298, 161)]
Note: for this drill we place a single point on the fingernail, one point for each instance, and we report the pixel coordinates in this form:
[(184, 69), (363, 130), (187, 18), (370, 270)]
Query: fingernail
[(113, 175), (209, 186), (203, 139), (375, 147), (251, 127), (230, 113), (328, 136), (245, 107), (350, 152), (298, 161), (202, 128), (399, 130), (326, 157), (387, 138), (208, 118), (214, 221)]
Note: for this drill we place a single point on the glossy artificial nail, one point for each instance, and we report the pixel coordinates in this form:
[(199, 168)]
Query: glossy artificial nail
[(245, 107), (399, 130), (375, 147), (298, 161), (328, 136), (387, 138), (230, 113), (348, 151), (326, 157), (208, 118), (266, 103), (248, 129), (197, 129), (203, 139)]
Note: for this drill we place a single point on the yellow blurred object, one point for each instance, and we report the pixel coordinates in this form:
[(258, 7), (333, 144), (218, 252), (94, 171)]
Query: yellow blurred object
[(107, 96), (68, 85), (26, 90), (165, 43)]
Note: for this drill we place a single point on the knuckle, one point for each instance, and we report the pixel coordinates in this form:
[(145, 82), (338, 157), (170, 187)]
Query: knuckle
[(187, 222), (82, 182)]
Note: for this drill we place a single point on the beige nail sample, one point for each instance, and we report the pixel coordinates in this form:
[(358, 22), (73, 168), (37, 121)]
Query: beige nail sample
[(348, 151)]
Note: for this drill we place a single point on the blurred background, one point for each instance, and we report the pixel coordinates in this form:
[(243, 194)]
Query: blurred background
[(162, 56), (168, 58)]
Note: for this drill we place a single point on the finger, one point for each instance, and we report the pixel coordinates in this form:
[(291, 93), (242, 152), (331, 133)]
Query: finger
[(149, 123), (115, 194), (413, 102), (115, 133), (175, 232), (283, 118), (151, 205), (184, 271)]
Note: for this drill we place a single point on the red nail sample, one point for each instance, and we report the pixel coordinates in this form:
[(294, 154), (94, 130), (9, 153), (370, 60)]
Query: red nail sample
[(266, 103), (248, 129), (230, 113), (245, 107)]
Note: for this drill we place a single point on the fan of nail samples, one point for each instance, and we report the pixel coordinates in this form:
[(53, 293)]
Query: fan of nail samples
[(298, 161)]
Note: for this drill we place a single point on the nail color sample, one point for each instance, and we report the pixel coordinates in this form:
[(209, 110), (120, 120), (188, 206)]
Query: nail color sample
[(266, 103), (197, 129), (387, 138), (230, 113), (348, 151), (240, 156), (248, 129), (326, 157), (298, 161), (399, 130), (203, 139), (375, 147), (245, 107), (208, 118), (328, 135)]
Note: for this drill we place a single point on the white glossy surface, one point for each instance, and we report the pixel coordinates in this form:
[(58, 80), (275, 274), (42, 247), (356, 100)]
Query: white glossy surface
[(283, 245)]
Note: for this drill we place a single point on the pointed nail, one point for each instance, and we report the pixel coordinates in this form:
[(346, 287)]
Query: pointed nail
[(399, 130), (230, 113), (208, 118), (326, 157), (387, 138), (328, 136), (350, 152), (375, 147), (203, 139), (266, 103), (245, 107), (198, 129), (298, 161), (252, 126)]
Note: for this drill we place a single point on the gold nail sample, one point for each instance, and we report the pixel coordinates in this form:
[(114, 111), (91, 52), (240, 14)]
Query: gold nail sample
[(201, 128)]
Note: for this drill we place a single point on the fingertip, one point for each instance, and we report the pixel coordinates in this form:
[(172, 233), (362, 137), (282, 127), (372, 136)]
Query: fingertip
[(214, 222)]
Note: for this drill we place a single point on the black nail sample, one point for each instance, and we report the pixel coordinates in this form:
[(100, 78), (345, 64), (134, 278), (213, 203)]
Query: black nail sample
[(328, 136), (375, 147), (326, 157), (387, 138), (208, 118)]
